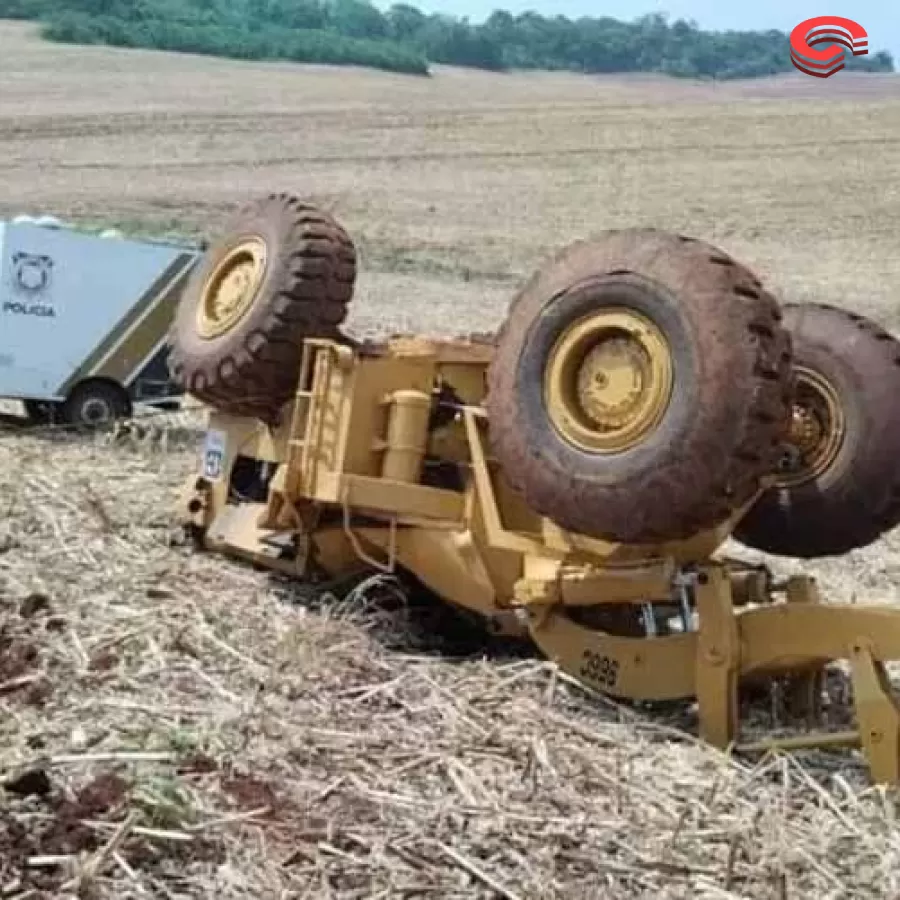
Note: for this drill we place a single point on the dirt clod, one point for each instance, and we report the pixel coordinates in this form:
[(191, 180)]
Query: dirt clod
[(33, 783), (197, 763), (99, 798), (250, 793), (103, 661), (34, 604), (18, 656)]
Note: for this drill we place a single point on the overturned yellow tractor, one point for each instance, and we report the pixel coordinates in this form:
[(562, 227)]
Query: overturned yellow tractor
[(573, 478)]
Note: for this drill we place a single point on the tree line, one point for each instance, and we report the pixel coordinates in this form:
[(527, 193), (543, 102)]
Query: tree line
[(404, 39)]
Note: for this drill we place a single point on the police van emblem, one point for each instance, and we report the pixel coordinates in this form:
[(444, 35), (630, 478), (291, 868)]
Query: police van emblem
[(32, 272)]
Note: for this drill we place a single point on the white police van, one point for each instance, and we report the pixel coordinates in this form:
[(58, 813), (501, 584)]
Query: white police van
[(84, 319)]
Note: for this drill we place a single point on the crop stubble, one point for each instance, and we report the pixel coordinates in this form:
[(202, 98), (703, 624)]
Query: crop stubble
[(284, 749)]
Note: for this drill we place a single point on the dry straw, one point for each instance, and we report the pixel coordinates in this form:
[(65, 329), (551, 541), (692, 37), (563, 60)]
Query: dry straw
[(175, 725)]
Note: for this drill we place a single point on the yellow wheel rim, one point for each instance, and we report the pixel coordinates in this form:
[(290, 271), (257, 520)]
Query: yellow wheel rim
[(608, 381), (817, 429), (229, 291)]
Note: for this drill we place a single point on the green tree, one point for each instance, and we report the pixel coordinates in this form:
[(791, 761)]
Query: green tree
[(405, 22), (356, 18), (405, 39)]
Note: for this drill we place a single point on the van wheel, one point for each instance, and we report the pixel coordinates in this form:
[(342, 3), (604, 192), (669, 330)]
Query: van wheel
[(94, 404)]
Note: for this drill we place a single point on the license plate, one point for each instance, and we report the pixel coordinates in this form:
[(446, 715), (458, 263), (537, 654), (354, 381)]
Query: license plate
[(213, 454)]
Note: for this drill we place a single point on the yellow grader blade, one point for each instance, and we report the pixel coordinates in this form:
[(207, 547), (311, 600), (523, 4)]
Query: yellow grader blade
[(573, 480), (734, 626), (796, 635)]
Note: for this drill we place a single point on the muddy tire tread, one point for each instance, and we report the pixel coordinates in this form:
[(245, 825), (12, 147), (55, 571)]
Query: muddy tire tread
[(830, 531), (312, 299), (755, 454)]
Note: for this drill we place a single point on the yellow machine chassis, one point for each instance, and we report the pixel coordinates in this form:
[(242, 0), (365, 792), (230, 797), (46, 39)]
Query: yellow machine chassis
[(339, 500)]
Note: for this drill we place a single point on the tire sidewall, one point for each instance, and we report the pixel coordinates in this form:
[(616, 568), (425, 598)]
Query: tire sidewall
[(855, 500), (209, 353), (850, 388), (649, 299), (303, 292), (722, 427)]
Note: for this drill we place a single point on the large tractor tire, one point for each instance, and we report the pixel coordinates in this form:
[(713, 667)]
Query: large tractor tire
[(641, 388), (283, 271), (839, 485)]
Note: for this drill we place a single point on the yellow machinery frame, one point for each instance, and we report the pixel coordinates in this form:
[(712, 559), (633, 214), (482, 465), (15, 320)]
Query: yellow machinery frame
[(339, 498)]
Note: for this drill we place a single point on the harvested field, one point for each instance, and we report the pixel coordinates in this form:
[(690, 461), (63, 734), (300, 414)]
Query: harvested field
[(455, 187), (175, 725)]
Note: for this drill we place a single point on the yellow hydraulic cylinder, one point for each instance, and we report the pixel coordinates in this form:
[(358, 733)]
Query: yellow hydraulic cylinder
[(407, 435)]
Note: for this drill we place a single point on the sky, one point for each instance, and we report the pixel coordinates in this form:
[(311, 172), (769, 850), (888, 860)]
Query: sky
[(880, 18)]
